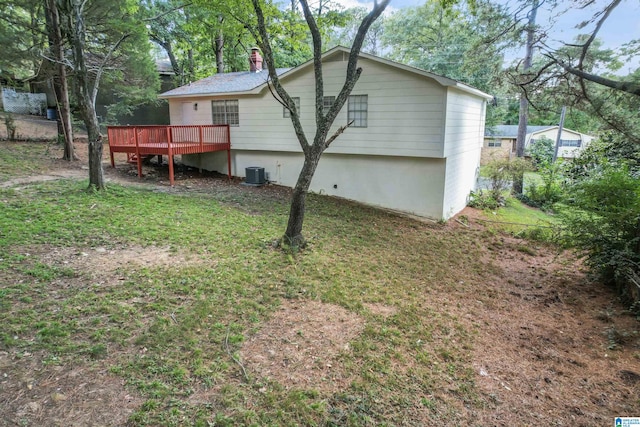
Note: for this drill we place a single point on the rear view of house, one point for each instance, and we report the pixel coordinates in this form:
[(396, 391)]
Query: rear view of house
[(414, 144)]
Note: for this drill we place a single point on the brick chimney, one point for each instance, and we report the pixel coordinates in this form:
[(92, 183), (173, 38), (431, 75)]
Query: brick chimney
[(255, 61)]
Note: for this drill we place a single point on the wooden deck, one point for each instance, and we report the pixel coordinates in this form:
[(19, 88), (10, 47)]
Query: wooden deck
[(168, 141)]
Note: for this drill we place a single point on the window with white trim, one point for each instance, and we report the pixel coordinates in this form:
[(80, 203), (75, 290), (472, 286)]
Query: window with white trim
[(358, 110), (225, 112), (285, 111), (327, 102), (570, 143), (494, 143)]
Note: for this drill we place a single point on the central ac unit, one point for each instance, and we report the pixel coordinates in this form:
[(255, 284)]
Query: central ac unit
[(255, 175)]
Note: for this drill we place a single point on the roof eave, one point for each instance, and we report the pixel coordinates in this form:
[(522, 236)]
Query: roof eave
[(444, 81), (472, 90), (253, 91)]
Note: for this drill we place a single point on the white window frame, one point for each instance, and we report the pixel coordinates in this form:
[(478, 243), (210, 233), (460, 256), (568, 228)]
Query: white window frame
[(285, 111), (225, 112), (494, 143), (327, 102), (572, 143), (358, 111)]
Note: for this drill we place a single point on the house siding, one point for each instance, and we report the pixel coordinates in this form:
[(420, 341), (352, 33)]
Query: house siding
[(409, 184), (464, 123), (504, 152), (464, 137), (418, 154), (461, 175), (405, 114)]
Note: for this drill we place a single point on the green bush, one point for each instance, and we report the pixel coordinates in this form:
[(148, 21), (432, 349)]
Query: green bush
[(610, 149), (485, 200), (541, 152), (501, 174), (602, 220), (550, 192)]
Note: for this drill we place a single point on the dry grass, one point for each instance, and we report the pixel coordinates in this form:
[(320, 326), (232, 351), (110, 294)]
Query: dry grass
[(383, 320)]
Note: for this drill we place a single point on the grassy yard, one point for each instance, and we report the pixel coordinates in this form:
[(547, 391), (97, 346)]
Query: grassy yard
[(144, 305)]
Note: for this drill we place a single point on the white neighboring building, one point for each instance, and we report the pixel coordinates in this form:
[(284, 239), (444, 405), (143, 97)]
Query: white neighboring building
[(500, 141), (414, 145), (571, 142)]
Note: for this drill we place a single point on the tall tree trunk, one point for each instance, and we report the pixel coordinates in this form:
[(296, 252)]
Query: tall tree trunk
[(84, 95), (293, 235), (312, 152), (523, 118), (191, 65), (60, 80), (166, 45), (219, 48), (220, 53)]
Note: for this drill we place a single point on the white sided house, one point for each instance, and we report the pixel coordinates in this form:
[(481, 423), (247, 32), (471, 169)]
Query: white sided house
[(414, 145), (571, 143), (500, 141)]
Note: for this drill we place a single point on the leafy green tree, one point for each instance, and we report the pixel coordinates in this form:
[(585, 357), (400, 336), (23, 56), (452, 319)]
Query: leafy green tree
[(98, 34), (22, 27), (292, 42), (60, 83), (344, 35), (465, 42)]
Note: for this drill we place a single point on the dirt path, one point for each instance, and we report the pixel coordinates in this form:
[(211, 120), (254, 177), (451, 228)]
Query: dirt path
[(61, 174)]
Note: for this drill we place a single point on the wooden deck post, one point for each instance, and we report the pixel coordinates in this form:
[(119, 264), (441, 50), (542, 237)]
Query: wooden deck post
[(228, 152), (201, 150), (170, 155), (138, 157)]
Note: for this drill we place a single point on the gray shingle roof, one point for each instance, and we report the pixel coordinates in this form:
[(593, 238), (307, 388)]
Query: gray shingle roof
[(241, 81), (510, 131)]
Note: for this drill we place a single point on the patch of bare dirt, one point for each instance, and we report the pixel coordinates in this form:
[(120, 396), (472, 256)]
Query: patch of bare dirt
[(547, 349), (301, 344), (61, 174), (38, 394), (30, 127), (102, 264), (381, 309), (109, 260)]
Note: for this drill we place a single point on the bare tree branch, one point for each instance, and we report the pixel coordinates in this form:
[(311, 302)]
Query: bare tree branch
[(100, 69), (317, 60), (592, 37), (337, 133), (624, 86)]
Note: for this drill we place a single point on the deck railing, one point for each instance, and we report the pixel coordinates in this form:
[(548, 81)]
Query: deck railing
[(168, 140)]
